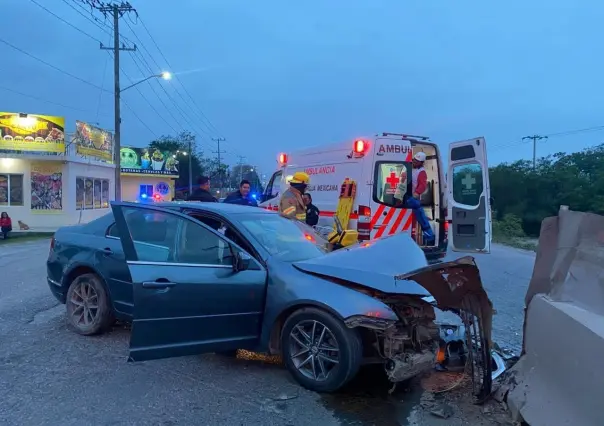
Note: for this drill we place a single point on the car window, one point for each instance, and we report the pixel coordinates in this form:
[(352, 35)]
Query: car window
[(164, 237), (113, 231), (392, 182), (285, 239), (467, 184)]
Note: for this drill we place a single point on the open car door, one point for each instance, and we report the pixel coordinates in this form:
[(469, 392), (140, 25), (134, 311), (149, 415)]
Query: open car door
[(469, 197), (194, 290)]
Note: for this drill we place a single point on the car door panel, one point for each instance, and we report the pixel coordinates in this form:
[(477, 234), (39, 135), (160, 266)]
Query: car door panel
[(227, 297), (188, 308), (469, 196)]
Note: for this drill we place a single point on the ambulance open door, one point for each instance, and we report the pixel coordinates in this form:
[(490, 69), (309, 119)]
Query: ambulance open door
[(469, 196)]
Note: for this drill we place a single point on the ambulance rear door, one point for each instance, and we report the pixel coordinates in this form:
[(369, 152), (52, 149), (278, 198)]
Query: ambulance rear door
[(468, 192), (392, 155)]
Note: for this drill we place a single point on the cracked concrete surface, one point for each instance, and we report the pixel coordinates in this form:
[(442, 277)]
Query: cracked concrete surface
[(51, 376)]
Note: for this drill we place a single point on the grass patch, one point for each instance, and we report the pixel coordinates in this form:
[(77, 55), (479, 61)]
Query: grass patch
[(509, 231), (20, 237), (523, 243)]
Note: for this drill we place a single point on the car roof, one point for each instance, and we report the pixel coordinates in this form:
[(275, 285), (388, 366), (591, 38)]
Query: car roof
[(220, 208)]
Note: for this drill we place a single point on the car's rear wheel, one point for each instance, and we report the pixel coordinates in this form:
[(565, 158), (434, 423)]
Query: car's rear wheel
[(88, 308), (319, 350)]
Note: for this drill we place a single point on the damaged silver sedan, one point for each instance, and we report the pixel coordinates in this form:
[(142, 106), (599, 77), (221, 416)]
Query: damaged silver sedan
[(213, 277)]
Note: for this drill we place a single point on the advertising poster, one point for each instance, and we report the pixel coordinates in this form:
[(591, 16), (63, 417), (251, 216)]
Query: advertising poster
[(32, 133), (92, 141), (148, 161), (46, 188)]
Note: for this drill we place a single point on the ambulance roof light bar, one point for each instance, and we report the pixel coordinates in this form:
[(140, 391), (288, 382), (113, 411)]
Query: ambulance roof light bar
[(282, 159), (408, 137)]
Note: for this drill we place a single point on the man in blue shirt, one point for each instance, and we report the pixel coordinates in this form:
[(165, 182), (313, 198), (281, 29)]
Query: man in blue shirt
[(242, 196)]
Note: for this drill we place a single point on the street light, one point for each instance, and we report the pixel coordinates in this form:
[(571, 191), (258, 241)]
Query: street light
[(165, 75)]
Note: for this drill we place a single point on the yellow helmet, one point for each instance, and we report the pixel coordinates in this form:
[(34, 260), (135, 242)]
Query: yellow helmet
[(300, 177)]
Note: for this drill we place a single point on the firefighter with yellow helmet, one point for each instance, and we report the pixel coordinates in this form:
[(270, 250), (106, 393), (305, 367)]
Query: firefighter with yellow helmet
[(291, 204)]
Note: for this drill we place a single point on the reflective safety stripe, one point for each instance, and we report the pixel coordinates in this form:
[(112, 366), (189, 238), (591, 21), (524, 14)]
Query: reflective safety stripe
[(289, 210), (301, 216)]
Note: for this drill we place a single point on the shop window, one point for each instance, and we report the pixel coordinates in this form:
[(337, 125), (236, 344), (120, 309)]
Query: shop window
[(92, 193), (11, 190)]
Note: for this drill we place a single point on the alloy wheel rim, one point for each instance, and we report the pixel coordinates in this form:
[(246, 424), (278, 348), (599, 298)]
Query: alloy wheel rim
[(314, 349), (84, 301)]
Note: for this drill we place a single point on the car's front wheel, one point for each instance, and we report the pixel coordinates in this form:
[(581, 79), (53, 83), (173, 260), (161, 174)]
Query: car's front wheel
[(88, 308), (319, 350)]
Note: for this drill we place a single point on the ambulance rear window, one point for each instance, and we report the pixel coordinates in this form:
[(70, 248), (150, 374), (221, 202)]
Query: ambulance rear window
[(388, 188)]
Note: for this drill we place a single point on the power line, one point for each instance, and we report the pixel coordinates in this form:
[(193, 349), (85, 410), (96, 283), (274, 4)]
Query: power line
[(45, 100), (51, 65), (182, 85), (65, 21)]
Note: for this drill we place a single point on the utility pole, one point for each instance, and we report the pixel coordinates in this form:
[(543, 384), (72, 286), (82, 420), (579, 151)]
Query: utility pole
[(218, 154), (535, 138), (240, 164), (116, 11)]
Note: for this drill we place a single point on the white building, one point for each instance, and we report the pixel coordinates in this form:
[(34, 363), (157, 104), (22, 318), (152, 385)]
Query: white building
[(49, 191)]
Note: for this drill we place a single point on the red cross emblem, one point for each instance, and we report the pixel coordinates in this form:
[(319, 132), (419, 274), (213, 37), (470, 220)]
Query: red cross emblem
[(393, 180)]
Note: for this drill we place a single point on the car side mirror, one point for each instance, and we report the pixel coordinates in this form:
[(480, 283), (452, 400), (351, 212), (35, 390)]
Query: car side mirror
[(241, 262)]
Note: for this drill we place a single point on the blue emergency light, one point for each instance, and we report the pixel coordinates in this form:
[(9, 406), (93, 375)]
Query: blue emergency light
[(145, 192)]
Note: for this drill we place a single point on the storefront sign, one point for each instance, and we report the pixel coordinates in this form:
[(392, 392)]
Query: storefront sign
[(162, 188), (46, 187), (93, 141), (148, 161), (32, 133)]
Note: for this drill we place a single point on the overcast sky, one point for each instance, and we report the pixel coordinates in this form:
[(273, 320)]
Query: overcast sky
[(275, 75)]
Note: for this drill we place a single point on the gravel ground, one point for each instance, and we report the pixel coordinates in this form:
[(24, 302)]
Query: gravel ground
[(51, 376)]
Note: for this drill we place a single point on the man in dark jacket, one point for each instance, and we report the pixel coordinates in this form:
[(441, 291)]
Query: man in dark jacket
[(312, 212), (203, 192), (241, 197)]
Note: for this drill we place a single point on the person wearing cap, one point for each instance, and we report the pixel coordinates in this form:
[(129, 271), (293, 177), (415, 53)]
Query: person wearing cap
[(419, 184), (291, 204)]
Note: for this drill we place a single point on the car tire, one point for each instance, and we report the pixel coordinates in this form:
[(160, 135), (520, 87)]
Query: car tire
[(327, 376), (88, 308)]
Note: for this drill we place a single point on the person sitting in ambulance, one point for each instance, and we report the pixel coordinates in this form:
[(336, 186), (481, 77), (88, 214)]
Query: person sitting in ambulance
[(419, 184), (291, 204)]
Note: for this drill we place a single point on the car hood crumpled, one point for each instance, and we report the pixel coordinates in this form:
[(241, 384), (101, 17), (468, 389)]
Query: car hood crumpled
[(374, 264), (396, 265)]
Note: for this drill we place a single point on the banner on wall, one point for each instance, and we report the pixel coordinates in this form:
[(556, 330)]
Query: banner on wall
[(148, 161), (93, 141), (46, 187), (32, 133)]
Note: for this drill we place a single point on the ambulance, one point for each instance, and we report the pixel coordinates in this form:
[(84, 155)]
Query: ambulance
[(458, 209)]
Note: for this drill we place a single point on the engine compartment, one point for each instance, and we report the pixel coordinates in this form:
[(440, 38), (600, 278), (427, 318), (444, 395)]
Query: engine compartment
[(408, 346)]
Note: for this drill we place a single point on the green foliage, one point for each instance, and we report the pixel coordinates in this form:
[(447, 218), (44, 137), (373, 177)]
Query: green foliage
[(575, 180), (510, 226)]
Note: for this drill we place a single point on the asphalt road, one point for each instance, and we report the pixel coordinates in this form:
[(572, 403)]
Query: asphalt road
[(51, 376)]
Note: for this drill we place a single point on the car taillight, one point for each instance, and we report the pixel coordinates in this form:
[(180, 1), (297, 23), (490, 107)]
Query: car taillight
[(52, 243), (364, 223), (446, 236)]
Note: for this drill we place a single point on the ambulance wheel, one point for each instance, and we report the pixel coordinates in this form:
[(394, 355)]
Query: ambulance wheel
[(319, 350)]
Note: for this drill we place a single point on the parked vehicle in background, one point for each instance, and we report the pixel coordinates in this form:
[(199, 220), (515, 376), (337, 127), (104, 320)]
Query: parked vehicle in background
[(214, 277), (375, 164)]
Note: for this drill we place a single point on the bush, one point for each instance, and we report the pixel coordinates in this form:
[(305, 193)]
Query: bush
[(509, 227)]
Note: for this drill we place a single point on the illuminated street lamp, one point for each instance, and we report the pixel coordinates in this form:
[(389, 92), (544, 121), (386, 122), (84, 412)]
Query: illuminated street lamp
[(165, 75)]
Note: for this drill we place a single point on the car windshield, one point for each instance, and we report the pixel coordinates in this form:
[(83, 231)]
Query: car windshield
[(288, 240)]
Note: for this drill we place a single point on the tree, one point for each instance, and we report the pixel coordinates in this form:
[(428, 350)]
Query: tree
[(575, 180), (247, 172), (180, 143)]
